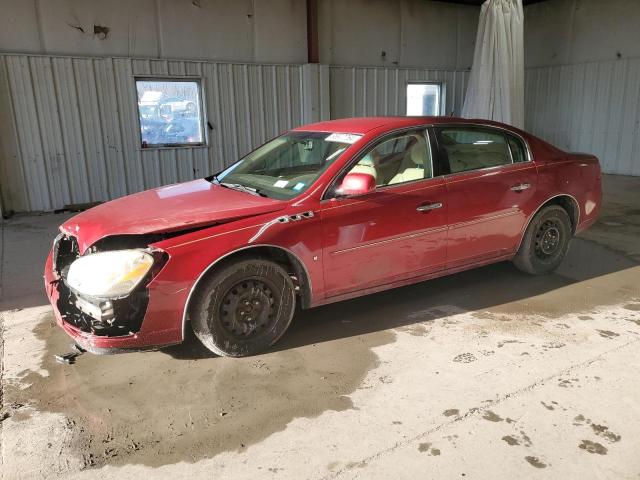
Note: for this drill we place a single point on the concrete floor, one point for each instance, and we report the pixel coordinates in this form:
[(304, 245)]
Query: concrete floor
[(485, 374)]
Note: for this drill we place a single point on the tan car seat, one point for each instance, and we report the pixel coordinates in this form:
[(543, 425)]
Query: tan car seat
[(415, 165), (366, 165)]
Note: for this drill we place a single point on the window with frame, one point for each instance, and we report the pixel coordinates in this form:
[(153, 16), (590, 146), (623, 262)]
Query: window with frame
[(473, 148), (424, 99), (170, 112), (400, 159), (518, 151)]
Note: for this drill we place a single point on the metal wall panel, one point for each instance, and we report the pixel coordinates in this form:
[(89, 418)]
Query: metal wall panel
[(588, 107), (74, 124), (70, 128), (366, 91)]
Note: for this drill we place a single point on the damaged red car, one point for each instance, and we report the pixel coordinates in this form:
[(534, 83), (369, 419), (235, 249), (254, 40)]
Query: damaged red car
[(322, 213)]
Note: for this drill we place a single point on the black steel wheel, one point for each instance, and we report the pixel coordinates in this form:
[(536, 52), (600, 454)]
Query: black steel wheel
[(243, 308), (545, 242), (248, 309), (548, 239)]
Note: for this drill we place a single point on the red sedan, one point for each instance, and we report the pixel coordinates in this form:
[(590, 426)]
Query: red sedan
[(323, 213)]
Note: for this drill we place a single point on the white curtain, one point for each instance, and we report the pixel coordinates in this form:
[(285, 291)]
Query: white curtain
[(496, 84)]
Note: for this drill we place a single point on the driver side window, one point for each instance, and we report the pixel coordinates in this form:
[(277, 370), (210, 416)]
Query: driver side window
[(400, 159)]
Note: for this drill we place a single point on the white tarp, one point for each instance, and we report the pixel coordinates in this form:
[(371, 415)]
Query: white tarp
[(496, 84)]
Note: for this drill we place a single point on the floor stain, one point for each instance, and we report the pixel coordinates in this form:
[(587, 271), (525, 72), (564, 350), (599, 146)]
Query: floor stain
[(535, 462), (426, 448), (511, 440), (417, 330), (568, 382), (593, 447), (505, 342), (608, 333), (548, 407), (492, 417), (465, 358), (604, 432), (210, 404), (525, 439)]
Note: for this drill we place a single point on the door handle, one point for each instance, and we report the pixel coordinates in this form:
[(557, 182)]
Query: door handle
[(429, 206), (520, 187)]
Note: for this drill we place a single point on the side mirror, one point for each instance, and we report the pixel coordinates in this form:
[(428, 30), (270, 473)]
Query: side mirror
[(357, 184)]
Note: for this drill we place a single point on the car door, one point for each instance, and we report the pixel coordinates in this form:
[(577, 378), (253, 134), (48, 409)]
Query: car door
[(397, 231), (490, 186)]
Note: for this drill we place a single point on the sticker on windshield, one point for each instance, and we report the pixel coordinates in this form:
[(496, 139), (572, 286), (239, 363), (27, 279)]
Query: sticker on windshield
[(343, 138), (298, 186), (281, 183)]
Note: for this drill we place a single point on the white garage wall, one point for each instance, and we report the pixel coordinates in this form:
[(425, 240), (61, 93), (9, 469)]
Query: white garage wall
[(70, 134), (588, 107), (561, 32), (582, 82), (397, 33), (212, 30), (369, 91), (351, 32)]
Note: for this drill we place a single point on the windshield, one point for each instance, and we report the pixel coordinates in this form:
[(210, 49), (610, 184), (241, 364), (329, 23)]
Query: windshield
[(288, 165)]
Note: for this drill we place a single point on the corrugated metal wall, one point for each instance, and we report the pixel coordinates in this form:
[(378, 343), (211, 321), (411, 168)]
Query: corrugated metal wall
[(365, 91), (589, 107), (70, 132)]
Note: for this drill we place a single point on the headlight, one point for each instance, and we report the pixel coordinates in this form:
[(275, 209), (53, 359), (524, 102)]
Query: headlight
[(109, 274)]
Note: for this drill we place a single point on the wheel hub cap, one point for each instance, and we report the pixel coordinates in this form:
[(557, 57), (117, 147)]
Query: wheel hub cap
[(548, 239), (247, 309)]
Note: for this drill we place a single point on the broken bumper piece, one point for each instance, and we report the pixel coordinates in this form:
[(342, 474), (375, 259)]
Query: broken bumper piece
[(146, 319)]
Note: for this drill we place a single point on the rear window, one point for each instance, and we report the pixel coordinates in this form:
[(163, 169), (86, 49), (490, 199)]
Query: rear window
[(473, 148)]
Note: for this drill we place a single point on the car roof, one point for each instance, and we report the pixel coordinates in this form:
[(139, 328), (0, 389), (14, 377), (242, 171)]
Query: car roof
[(362, 125)]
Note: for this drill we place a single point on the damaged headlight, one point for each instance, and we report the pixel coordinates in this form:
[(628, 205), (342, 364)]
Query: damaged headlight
[(109, 274)]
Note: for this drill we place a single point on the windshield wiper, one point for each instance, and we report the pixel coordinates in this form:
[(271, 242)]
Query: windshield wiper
[(242, 188)]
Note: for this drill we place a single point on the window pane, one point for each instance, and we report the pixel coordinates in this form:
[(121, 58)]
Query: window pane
[(398, 160), (170, 112), (517, 150), (472, 149), (423, 99)]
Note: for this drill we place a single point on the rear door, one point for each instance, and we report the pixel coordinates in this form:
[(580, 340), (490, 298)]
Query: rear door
[(394, 233), (491, 184)]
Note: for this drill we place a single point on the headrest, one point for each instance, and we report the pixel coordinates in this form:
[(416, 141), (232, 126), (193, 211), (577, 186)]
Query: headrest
[(366, 160), (418, 153)]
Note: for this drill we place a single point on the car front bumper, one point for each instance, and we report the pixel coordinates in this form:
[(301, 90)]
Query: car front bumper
[(161, 323)]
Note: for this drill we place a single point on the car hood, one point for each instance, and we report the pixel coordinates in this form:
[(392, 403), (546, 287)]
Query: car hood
[(183, 206)]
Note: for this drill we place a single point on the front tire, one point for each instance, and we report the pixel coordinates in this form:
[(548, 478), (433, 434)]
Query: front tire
[(545, 242), (243, 308)]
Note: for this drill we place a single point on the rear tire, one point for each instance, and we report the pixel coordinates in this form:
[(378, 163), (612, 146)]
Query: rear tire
[(243, 308), (545, 242)]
